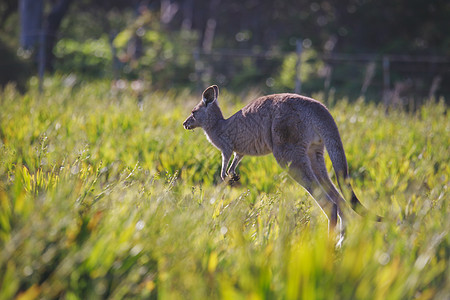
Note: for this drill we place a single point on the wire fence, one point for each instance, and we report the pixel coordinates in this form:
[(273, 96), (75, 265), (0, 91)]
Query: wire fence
[(394, 79), (391, 78)]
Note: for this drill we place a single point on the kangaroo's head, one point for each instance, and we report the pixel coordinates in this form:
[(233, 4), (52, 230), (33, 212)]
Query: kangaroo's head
[(207, 112)]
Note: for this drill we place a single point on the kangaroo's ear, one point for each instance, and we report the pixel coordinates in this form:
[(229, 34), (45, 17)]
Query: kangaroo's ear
[(210, 95), (216, 90)]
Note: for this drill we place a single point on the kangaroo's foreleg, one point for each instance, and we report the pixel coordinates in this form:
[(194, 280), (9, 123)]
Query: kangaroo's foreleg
[(232, 170), (226, 156)]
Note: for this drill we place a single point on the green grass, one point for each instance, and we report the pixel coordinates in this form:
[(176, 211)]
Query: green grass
[(103, 197)]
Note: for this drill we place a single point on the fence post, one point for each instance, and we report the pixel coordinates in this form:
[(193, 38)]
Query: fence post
[(41, 59), (386, 80), (368, 76), (298, 81), (327, 82), (198, 69)]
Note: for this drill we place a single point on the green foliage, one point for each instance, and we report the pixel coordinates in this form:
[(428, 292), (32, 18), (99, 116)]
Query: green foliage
[(103, 196), (91, 57), (166, 58), (141, 50), (310, 67)]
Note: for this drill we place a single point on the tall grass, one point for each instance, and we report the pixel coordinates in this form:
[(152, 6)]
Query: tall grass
[(102, 196)]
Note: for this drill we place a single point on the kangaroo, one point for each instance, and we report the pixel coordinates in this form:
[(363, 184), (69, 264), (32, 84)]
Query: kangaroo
[(296, 129)]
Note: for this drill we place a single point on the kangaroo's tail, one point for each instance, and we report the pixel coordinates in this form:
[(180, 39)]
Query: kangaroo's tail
[(327, 128)]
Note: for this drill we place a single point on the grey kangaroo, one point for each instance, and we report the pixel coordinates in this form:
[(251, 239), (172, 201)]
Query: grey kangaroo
[(292, 127)]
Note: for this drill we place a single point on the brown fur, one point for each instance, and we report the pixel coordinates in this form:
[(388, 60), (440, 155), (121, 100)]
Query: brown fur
[(296, 129)]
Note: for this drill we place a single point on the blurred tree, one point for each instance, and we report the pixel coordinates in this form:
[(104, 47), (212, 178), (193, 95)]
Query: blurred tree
[(39, 30), (51, 25), (350, 26), (30, 22), (373, 26)]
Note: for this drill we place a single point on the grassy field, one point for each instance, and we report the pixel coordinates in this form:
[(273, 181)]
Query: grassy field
[(103, 196)]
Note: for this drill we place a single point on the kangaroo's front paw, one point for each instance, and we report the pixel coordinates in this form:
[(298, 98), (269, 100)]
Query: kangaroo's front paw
[(235, 177), (233, 180)]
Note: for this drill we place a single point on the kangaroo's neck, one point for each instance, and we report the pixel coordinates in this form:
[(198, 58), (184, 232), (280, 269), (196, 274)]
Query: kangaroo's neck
[(214, 120), (216, 127)]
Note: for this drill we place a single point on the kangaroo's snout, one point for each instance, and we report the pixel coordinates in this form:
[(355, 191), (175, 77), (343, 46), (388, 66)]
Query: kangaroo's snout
[(188, 124)]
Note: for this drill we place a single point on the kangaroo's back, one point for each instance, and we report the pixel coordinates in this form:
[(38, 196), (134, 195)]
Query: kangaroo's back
[(290, 118), (269, 120), (249, 129)]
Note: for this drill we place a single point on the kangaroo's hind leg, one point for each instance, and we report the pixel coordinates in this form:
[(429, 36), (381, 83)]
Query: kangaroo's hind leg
[(318, 165), (300, 169)]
